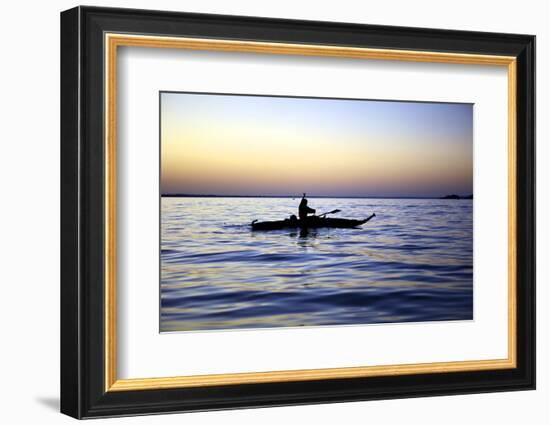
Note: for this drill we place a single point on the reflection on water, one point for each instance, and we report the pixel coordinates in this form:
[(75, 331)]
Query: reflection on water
[(412, 262)]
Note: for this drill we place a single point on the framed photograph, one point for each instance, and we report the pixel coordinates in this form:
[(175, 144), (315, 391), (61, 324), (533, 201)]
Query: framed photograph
[(261, 212)]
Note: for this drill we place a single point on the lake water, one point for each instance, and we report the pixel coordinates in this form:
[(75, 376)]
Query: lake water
[(412, 262)]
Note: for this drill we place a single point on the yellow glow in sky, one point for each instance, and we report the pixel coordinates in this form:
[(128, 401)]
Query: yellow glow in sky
[(260, 145)]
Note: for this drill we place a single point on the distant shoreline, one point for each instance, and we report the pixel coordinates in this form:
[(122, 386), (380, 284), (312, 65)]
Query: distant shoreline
[(189, 195)]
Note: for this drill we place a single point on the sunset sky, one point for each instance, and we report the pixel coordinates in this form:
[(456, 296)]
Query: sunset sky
[(262, 145)]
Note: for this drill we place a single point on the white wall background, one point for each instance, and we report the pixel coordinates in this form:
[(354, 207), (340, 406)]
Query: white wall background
[(29, 216)]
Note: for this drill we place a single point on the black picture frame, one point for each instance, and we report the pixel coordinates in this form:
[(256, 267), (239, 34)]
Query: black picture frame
[(83, 392)]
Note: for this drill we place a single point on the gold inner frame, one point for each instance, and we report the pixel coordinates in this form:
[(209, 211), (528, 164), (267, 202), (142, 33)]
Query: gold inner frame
[(113, 41)]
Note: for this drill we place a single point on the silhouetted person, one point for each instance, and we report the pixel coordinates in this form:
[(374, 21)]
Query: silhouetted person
[(303, 209)]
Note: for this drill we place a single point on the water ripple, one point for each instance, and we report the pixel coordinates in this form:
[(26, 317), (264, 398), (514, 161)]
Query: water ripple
[(413, 262)]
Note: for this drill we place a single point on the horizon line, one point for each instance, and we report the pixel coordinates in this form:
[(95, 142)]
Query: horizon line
[(191, 195)]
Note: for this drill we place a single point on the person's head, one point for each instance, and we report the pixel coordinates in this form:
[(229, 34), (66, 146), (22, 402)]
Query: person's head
[(293, 218)]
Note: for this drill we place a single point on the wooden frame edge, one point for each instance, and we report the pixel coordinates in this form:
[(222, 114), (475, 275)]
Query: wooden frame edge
[(512, 212), (114, 40), (137, 384), (110, 213)]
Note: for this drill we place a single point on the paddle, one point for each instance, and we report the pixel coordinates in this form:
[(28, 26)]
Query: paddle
[(329, 212)]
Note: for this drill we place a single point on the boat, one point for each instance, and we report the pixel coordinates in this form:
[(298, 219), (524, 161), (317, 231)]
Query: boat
[(313, 222)]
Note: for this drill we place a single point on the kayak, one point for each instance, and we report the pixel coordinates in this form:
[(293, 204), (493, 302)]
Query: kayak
[(309, 223)]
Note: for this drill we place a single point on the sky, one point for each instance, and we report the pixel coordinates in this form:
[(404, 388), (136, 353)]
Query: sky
[(283, 146)]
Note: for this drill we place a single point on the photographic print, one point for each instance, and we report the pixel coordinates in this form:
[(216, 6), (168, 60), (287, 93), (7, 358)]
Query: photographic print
[(284, 211)]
